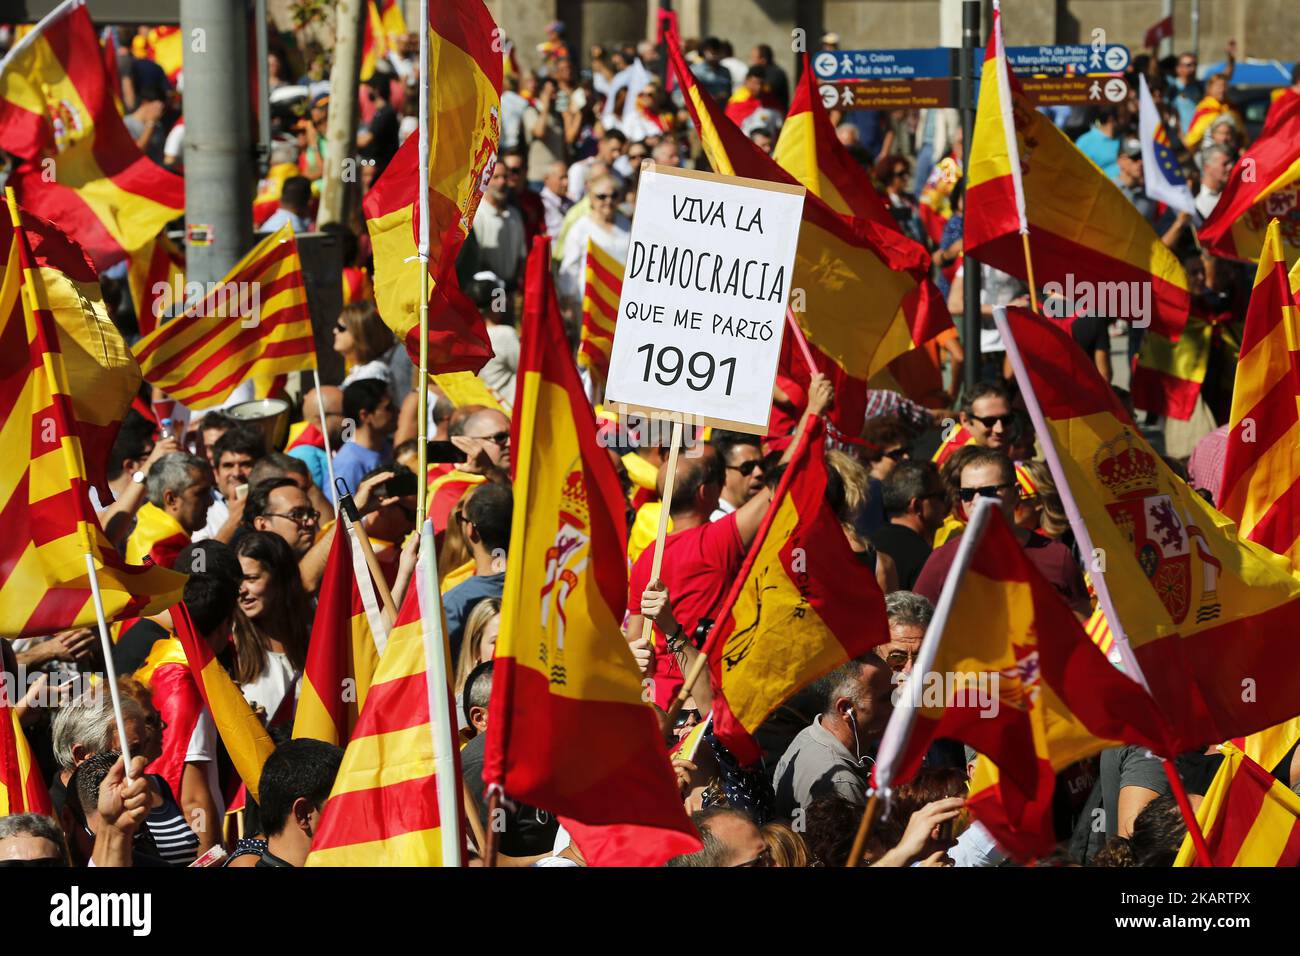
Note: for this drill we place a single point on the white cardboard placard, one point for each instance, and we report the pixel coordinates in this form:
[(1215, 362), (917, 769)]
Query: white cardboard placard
[(705, 288)]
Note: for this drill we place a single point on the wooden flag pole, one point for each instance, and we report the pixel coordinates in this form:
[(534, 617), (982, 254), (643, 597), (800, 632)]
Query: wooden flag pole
[(864, 831), (697, 668), (1029, 269), (656, 563), (348, 510), (490, 848), (475, 824)]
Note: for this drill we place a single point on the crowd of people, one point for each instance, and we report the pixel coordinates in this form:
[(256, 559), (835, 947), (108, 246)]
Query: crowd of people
[(251, 521)]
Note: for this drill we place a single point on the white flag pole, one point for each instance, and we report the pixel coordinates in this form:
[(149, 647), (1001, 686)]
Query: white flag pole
[(110, 671), (325, 434), (422, 257)]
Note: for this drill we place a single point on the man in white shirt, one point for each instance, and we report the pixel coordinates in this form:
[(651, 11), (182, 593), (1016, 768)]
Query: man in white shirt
[(741, 457), (609, 149), (1216, 169), (555, 199), (499, 229), (603, 225)]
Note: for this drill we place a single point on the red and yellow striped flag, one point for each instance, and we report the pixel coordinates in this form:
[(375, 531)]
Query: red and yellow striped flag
[(959, 436), (384, 808), (1208, 613), (57, 114), (1207, 111), (801, 605), (253, 324), (809, 150), (154, 272), (568, 729), (1099, 631), (845, 266), (54, 331), (165, 46), (1261, 468), (347, 638), (374, 44), (599, 312), (1027, 689), (22, 789), (1249, 817), (464, 130), (1265, 185), (1168, 376), (241, 729), (1026, 176)]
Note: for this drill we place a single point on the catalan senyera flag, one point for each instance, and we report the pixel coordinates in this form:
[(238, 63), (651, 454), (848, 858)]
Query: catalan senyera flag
[(55, 331), (809, 150), (374, 43), (846, 267), (1209, 615), (154, 268), (57, 114), (464, 129), (1168, 376), (1027, 689), (1265, 185), (1249, 817), (1099, 631), (22, 789), (347, 638), (384, 808), (568, 730), (600, 300), (801, 605), (253, 324), (240, 728), (1261, 468), (1025, 175)]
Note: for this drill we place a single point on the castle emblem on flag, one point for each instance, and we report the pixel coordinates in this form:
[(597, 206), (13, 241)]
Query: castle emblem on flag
[(566, 559), (67, 123)]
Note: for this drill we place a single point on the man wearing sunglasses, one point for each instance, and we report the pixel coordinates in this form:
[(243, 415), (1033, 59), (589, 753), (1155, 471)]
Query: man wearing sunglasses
[(915, 505), (987, 415), (742, 470), (990, 474)]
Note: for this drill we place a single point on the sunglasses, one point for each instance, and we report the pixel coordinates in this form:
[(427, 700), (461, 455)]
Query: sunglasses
[(685, 718), (988, 421), (898, 454), (985, 491), (299, 516), (897, 660), (763, 859), (502, 439), (514, 170), (602, 197), (746, 468)]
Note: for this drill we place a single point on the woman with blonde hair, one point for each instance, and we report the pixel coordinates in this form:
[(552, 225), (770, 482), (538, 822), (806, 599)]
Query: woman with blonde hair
[(786, 847), (362, 338), (480, 641), (848, 491)]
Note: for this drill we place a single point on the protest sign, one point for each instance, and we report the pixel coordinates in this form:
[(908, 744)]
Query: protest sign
[(704, 296)]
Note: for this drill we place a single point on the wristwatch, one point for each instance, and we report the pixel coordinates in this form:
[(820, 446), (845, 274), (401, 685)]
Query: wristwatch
[(138, 477)]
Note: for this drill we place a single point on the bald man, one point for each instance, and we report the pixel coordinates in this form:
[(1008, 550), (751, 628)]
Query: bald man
[(312, 450), (484, 436), (701, 558)]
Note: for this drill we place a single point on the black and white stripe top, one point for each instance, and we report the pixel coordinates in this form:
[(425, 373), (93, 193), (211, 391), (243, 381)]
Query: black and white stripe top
[(176, 842)]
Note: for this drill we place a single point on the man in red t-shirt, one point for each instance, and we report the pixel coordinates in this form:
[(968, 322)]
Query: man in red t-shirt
[(990, 473), (701, 558)]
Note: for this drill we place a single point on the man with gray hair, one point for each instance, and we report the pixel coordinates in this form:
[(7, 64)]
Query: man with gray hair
[(179, 488), (730, 838), (1216, 170), (832, 754), (31, 839), (909, 615), (86, 726)]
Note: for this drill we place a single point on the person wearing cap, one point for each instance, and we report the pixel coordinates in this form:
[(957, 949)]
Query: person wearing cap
[(1101, 143), (1130, 179), (830, 41), (553, 47)]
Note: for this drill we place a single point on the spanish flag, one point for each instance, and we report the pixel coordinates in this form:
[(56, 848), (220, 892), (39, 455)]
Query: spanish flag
[(1249, 818), (1261, 468), (22, 789), (958, 436), (568, 729), (1265, 184), (157, 538), (241, 729), (384, 809), (347, 638), (845, 267), (1026, 688), (165, 46), (801, 605), (1167, 376), (392, 19), (1207, 111), (809, 150), (152, 271), (57, 115), (1026, 177), (253, 324), (54, 331), (374, 44), (463, 131), (1210, 615), (599, 312)]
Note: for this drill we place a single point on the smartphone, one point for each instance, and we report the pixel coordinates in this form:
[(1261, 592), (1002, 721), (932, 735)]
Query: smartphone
[(399, 486), (444, 452)]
